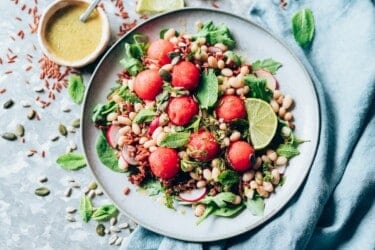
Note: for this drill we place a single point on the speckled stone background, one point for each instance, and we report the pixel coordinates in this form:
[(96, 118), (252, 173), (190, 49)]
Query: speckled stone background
[(26, 220)]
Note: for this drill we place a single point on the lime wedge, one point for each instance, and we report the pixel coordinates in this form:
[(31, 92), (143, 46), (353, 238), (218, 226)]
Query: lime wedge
[(262, 122), (149, 6)]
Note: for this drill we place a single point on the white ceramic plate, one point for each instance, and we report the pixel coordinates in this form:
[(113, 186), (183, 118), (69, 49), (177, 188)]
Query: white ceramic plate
[(253, 43)]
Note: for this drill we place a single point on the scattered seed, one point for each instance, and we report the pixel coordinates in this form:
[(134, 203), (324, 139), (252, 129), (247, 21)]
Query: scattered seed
[(91, 194), (113, 239), (106, 231), (39, 89), (54, 138), (42, 179), (70, 179), (118, 241), (31, 114), (126, 190), (100, 229), (20, 130), (62, 130), (114, 229), (123, 225), (9, 136), (25, 104), (30, 153), (76, 123), (8, 104), (75, 185), (113, 221), (93, 185), (68, 149), (85, 190), (65, 109), (72, 145), (98, 191), (70, 210), (68, 192), (70, 218), (42, 191), (71, 129)]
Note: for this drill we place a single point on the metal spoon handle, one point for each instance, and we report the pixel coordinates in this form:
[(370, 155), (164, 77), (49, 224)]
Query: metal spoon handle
[(88, 11)]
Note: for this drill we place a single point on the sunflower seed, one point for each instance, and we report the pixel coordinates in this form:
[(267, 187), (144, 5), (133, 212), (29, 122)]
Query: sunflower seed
[(118, 241), (76, 123), (54, 138), (25, 104), (70, 218), (31, 114), (71, 129), (115, 229), (30, 153), (91, 194), (62, 130), (98, 191), (70, 179), (75, 185), (68, 149), (9, 136), (85, 190), (39, 89), (70, 210), (42, 191), (65, 109), (68, 192), (100, 229), (20, 130), (72, 145), (113, 221), (8, 104), (42, 179), (123, 225), (113, 239)]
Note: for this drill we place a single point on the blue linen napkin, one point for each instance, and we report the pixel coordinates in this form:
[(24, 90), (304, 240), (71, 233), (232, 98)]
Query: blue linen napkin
[(335, 207)]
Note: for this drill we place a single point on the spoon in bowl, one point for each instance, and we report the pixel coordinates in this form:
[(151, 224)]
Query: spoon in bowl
[(88, 11)]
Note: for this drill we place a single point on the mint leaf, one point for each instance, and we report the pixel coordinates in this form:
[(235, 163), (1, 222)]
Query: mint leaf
[(101, 111), (175, 140), (104, 212), (106, 154), (132, 62), (303, 27), (268, 64), (76, 88), (228, 177), (216, 34), (258, 88), (287, 150), (145, 115), (208, 90), (71, 161), (85, 208), (256, 206)]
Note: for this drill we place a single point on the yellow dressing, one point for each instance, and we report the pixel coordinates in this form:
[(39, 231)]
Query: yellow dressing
[(69, 38)]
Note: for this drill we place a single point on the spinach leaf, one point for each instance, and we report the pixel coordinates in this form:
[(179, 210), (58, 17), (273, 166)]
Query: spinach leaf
[(287, 150), (107, 155), (256, 206), (228, 211), (101, 111), (216, 34), (229, 177), (303, 27), (145, 115), (71, 161), (208, 90), (220, 199), (268, 64), (175, 140), (258, 88), (133, 53), (76, 88), (105, 212), (85, 208)]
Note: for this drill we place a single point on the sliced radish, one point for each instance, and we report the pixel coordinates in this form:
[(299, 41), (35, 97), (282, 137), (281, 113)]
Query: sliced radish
[(113, 135), (153, 125), (271, 80), (193, 195), (126, 156)]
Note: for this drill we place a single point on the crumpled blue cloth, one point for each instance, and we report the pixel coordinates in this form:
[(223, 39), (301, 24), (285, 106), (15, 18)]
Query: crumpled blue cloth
[(334, 209)]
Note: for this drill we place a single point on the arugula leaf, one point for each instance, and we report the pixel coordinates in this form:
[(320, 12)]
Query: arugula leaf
[(133, 53), (125, 93), (221, 199), (228, 211), (153, 187), (287, 150), (71, 161), (216, 34), (85, 208), (145, 115), (303, 27), (269, 64), (101, 111), (105, 212), (107, 155), (256, 206), (236, 59), (175, 140), (228, 177), (76, 88), (208, 90), (258, 87)]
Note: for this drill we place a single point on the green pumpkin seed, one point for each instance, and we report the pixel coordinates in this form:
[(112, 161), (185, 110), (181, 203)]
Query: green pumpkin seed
[(76, 123), (8, 104), (31, 114), (9, 136), (93, 185), (62, 130), (20, 130), (42, 191), (100, 229)]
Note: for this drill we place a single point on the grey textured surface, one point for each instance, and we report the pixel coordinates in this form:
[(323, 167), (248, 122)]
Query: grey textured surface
[(28, 221)]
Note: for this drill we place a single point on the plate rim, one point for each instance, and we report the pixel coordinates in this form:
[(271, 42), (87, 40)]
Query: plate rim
[(275, 210)]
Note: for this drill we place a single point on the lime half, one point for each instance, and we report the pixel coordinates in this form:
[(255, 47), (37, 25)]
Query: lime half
[(262, 122), (150, 6)]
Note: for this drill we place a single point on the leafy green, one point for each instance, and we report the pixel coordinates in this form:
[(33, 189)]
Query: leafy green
[(128, 96), (287, 150), (208, 90), (153, 187), (207, 212), (258, 88), (194, 125), (175, 140), (282, 181), (187, 165), (266, 171), (71, 161), (228, 211), (303, 27), (107, 155), (101, 111), (221, 200), (242, 125), (133, 53), (216, 34), (168, 200), (145, 115), (104, 212), (236, 59), (228, 177), (256, 206), (76, 88), (269, 64), (85, 208)]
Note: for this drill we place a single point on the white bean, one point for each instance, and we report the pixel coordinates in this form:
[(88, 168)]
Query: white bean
[(142, 140), (237, 200), (244, 70), (221, 46), (287, 102), (112, 117), (157, 132), (288, 116), (215, 173), (275, 106), (199, 210), (160, 138), (169, 34), (281, 161), (271, 154), (136, 129), (212, 62), (253, 185), (275, 176), (230, 91), (223, 126), (227, 72), (124, 120), (268, 186), (201, 184), (235, 136), (132, 115), (221, 64), (262, 192), (149, 143), (248, 176), (282, 112), (124, 130), (277, 94)]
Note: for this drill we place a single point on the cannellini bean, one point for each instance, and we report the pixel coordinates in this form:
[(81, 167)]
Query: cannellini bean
[(249, 193), (271, 154), (215, 173), (221, 64), (149, 143), (237, 200), (262, 192), (230, 91), (248, 176), (122, 163), (157, 132), (235, 136), (207, 174), (169, 34), (182, 154), (285, 131), (194, 47), (288, 116), (268, 186), (240, 91), (124, 130), (201, 40), (227, 72), (265, 158), (199, 210), (275, 176), (167, 67), (234, 82), (201, 184), (163, 119), (204, 56), (136, 129), (212, 62), (280, 100), (281, 160), (138, 107), (112, 117), (121, 140), (259, 177), (142, 140), (277, 94), (287, 102), (124, 120), (246, 89), (221, 46), (132, 115), (160, 138), (253, 185), (226, 141), (244, 70), (223, 126), (282, 112), (204, 48), (275, 106)]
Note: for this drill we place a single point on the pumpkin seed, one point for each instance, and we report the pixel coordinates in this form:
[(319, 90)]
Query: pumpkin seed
[(76, 123), (42, 191), (9, 136), (8, 104), (20, 130), (93, 185), (100, 229), (62, 130), (31, 114)]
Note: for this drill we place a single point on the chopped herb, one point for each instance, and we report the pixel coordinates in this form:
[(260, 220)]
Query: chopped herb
[(236, 59), (228, 177), (187, 165), (101, 111), (128, 96), (208, 90), (287, 150), (258, 88), (228, 211), (168, 201), (268, 64), (216, 34), (282, 180), (220, 199), (194, 125)]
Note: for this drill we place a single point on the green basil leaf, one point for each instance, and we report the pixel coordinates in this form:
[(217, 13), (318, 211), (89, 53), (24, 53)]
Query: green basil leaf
[(175, 140), (256, 206), (71, 161), (85, 208), (145, 115), (76, 88), (258, 88), (228, 177), (228, 211), (208, 90), (105, 212), (303, 27), (216, 34), (287, 150), (268, 64), (101, 111), (107, 155)]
